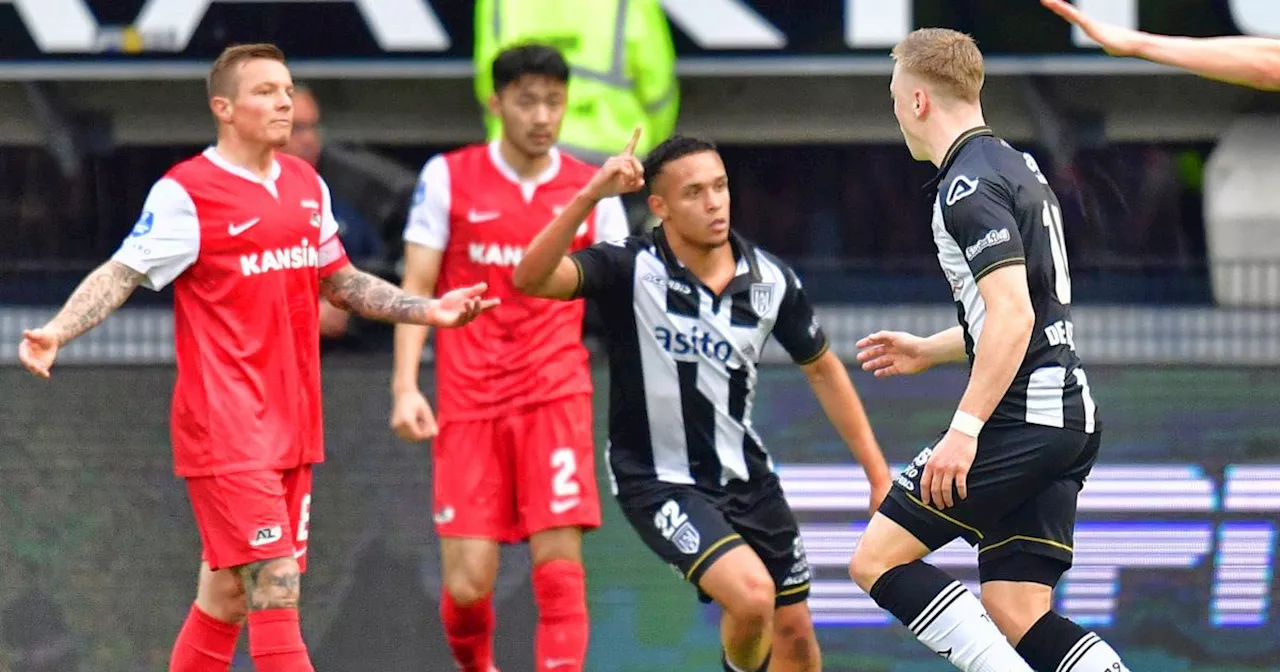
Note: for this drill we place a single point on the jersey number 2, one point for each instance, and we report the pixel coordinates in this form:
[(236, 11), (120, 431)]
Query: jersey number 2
[(565, 463), (1058, 247)]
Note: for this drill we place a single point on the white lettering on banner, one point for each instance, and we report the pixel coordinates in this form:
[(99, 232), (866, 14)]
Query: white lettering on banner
[(724, 24), (69, 26)]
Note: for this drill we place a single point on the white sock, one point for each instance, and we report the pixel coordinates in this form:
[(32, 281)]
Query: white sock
[(956, 627)]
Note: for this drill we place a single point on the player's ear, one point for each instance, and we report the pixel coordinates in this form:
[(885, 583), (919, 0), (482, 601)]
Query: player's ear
[(494, 105), (658, 206), (220, 106), (920, 102)]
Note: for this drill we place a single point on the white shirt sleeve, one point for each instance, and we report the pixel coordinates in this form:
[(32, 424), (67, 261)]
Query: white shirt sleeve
[(611, 220), (166, 239), (331, 251), (428, 223)]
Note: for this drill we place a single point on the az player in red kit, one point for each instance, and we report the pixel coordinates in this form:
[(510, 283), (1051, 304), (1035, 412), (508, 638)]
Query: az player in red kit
[(248, 240), (513, 459)]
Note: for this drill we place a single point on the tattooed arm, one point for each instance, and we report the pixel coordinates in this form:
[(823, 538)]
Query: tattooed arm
[(98, 295), (372, 297)]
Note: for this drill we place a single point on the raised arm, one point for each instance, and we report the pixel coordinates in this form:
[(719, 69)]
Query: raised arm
[(1248, 61), (546, 270)]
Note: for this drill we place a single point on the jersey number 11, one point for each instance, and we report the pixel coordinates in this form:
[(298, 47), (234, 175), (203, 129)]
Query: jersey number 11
[(1058, 247)]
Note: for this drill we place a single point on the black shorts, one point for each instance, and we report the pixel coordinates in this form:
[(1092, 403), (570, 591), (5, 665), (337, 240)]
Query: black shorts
[(690, 528), (1021, 506)]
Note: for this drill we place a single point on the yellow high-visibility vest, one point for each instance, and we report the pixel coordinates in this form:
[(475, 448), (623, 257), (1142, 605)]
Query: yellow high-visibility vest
[(622, 67)]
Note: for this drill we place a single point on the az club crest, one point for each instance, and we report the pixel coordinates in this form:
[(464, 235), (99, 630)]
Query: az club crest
[(761, 297)]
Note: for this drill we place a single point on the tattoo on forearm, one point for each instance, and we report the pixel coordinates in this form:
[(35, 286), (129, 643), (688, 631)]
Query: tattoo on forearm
[(374, 298), (271, 584), (100, 293)]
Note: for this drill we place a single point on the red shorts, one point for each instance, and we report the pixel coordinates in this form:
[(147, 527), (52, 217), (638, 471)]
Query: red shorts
[(252, 516), (510, 477)]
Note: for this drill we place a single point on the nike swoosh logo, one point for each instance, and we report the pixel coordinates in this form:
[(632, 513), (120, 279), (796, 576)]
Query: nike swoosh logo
[(560, 506), (298, 553), (478, 217), (237, 229), (552, 663)]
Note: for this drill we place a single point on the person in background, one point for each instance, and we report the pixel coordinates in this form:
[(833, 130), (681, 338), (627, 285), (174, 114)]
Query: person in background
[(1238, 59), (359, 239), (622, 67), (514, 458)]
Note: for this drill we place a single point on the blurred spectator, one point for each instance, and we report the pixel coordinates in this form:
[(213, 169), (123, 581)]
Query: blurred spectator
[(360, 240), (622, 65)]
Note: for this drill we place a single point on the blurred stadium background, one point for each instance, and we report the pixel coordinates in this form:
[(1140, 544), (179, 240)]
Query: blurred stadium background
[(1169, 186)]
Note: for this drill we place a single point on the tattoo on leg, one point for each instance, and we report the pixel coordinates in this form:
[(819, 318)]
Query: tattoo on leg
[(271, 584)]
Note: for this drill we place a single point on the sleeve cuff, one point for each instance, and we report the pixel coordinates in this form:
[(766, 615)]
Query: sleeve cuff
[(577, 266), (998, 264), (826, 345)]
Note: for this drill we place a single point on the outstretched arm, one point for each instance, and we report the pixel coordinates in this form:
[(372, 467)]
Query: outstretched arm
[(98, 295), (1249, 61), (373, 298)]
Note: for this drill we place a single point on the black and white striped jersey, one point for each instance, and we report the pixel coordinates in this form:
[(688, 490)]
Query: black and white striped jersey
[(682, 361), (993, 207)]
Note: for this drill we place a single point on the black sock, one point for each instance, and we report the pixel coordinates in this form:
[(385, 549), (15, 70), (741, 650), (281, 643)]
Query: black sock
[(945, 617), (764, 667), (1055, 644)]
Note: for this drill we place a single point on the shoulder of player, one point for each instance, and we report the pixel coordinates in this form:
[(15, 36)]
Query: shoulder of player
[(292, 163), (772, 268), (985, 168)]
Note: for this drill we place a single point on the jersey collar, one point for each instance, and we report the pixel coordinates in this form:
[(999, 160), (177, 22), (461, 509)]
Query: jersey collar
[(211, 153), (495, 155), (748, 270), (953, 152)]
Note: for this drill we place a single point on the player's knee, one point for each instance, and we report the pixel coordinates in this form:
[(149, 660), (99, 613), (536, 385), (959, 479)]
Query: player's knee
[(868, 565), (221, 595), (468, 585), (272, 584), (794, 639), (1014, 611), (561, 543), (751, 606), (228, 606)]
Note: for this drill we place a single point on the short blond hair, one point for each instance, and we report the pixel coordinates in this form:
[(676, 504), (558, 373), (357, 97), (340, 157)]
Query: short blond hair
[(947, 59), (222, 75)]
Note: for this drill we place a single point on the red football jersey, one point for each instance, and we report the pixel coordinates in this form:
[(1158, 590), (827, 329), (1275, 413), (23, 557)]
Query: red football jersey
[(471, 204), (245, 257)]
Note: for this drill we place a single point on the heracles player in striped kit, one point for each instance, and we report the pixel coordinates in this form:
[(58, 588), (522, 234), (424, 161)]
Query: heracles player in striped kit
[(1006, 474), (688, 309)]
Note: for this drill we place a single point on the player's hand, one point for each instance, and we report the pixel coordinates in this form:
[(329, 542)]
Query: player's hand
[(411, 417), (893, 353), (1116, 40), (37, 351), (948, 466), (460, 306), (621, 174)]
